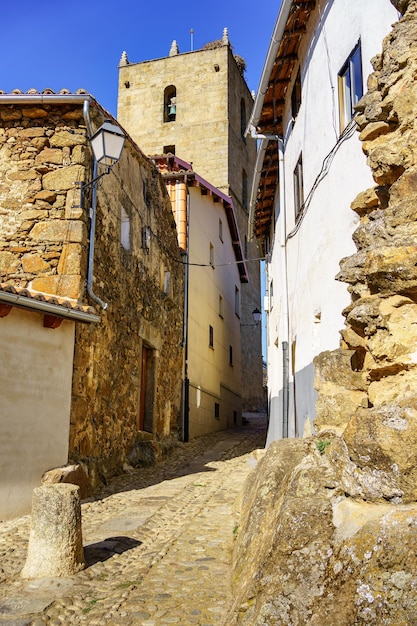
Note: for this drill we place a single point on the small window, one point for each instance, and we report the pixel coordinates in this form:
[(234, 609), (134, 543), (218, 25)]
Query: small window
[(296, 96), (246, 247), (298, 186), (124, 229), (245, 189), (167, 283), (170, 104), (230, 355), (169, 149), (221, 230), (146, 238), (145, 194), (221, 306), (237, 301), (350, 86), (211, 336), (217, 410), (211, 255)]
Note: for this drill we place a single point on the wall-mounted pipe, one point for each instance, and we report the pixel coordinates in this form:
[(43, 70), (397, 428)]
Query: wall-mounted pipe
[(93, 212)]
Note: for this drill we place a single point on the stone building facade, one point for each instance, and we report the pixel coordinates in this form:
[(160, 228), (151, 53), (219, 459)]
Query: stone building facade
[(127, 369), (197, 105)]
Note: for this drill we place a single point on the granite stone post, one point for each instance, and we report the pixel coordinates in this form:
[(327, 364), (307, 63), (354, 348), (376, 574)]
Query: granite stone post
[(55, 540)]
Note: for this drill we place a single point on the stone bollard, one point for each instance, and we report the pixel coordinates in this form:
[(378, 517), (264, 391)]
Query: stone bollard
[(55, 540)]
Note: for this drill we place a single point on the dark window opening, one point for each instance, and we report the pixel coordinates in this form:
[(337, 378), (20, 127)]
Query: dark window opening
[(242, 119), (211, 336), (298, 186), (169, 149), (217, 410), (245, 189), (296, 96)]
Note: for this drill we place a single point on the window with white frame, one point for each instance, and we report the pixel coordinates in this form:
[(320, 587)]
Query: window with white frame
[(350, 85), (298, 186), (124, 229)]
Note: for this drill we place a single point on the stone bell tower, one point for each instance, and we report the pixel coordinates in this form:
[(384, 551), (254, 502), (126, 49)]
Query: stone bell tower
[(196, 105)]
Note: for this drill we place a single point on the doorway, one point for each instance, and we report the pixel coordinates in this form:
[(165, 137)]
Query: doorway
[(147, 376)]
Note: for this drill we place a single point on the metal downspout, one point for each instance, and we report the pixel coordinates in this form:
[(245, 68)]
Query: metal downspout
[(284, 280), (93, 212), (186, 383), (283, 255)]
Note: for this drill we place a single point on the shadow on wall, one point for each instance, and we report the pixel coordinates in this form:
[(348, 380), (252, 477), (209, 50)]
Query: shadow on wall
[(301, 407)]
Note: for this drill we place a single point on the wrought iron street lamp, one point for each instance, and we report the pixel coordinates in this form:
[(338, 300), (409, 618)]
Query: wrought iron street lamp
[(257, 316), (107, 144)]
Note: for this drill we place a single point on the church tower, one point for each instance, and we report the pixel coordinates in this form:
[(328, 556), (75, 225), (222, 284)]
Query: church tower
[(196, 105)]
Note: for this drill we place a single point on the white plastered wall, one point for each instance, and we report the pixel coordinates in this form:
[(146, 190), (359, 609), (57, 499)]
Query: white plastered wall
[(35, 400), (315, 298)]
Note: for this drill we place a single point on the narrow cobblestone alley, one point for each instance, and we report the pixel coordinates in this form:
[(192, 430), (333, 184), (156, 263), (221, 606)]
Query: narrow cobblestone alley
[(158, 543)]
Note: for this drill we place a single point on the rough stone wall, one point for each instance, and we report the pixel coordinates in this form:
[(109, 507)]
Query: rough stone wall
[(338, 510), (107, 373), (43, 240), (44, 246)]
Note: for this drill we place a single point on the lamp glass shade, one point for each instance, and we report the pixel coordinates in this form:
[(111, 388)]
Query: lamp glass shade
[(107, 144), (257, 315)]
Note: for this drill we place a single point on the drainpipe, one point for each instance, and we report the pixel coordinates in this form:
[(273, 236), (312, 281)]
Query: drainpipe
[(283, 256), (284, 280), (93, 213), (186, 383)]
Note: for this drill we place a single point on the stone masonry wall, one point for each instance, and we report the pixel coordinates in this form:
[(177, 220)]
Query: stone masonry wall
[(44, 232), (329, 523), (107, 374), (43, 241)]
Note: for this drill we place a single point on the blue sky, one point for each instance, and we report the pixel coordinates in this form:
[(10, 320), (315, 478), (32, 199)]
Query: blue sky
[(78, 43)]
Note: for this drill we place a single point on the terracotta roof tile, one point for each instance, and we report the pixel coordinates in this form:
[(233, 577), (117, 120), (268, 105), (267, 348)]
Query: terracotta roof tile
[(66, 303)]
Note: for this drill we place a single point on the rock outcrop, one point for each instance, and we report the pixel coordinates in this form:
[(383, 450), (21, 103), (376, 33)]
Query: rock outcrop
[(329, 524)]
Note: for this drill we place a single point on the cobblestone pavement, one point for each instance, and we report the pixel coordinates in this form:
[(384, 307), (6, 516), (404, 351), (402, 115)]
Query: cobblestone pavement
[(158, 543)]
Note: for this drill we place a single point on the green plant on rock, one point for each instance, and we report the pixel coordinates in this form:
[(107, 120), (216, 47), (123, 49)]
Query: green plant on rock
[(322, 445)]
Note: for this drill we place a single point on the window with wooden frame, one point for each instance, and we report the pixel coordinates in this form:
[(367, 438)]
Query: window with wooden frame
[(350, 86)]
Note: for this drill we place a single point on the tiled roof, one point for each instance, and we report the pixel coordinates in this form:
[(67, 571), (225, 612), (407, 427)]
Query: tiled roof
[(45, 92), (60, 307)]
